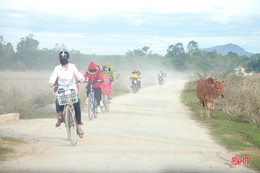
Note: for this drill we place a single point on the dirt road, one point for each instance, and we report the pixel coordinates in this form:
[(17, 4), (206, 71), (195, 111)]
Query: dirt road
[(150, 131)]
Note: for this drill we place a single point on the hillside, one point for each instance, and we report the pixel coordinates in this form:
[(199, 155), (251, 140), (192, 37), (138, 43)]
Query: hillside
[(224, 49)]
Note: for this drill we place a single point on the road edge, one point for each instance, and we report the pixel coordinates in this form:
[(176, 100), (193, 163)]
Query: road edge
[(9, 117)]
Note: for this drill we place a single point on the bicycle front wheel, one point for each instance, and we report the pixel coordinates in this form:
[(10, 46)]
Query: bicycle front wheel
[(91, 107), (103, 110), (71, 124), (106, 103), (66, 121)]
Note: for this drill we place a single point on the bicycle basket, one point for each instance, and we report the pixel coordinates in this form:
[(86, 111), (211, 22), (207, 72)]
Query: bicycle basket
[(67, 97)]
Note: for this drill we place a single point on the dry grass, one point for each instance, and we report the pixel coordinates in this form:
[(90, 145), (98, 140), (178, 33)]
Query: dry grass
[(23, 92), (242, 96)]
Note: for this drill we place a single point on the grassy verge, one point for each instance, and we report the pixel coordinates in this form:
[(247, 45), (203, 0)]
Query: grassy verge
[(234, 134), (7, 141), (4, 151)]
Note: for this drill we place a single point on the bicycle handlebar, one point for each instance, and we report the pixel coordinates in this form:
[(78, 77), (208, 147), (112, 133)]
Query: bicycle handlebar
[(77, 82), (98, 81), (57, 85)]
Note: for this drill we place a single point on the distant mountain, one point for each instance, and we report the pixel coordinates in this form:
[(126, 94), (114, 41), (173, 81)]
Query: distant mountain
[(224, 49)]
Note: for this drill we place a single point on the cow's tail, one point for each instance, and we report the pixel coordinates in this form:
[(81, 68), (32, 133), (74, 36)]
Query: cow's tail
[(203, 104)]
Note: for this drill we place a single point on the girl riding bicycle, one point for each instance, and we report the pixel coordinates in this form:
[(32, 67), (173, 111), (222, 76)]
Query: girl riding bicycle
[(93, 75), (66, 72), (108, 76), (106, 70)]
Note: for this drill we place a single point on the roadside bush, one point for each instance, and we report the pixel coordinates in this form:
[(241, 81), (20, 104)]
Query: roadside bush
[(248, 70)]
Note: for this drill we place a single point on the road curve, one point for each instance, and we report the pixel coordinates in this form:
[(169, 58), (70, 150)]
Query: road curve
[(150, 131)]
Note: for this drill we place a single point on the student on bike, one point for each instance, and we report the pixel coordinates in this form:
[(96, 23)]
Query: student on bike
[(108, 76), (65, 74), (93, 75), (161, 74), (106, 70)]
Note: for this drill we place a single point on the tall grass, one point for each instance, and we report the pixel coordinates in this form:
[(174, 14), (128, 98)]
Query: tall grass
[(23, 92), (242, 96)]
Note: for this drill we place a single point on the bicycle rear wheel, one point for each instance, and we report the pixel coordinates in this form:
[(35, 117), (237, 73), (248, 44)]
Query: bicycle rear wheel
[(71, 124)]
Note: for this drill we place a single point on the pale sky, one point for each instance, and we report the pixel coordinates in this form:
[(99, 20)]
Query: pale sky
[(116, 26)]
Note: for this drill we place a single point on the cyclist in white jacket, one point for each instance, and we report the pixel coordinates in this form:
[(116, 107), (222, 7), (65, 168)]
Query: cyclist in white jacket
[(64, 74)]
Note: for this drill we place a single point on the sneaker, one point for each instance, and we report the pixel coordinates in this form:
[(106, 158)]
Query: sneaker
[(98, 109)]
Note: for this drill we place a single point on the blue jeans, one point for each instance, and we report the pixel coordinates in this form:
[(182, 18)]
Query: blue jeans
[(76, 108), (97, 92)]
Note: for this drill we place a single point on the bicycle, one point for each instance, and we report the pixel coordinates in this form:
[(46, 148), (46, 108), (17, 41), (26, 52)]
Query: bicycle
[(106, 91), (68, 98), (92, 103), (106, 102)]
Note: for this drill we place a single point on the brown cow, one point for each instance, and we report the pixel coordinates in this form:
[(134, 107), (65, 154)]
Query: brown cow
[(207, 90)]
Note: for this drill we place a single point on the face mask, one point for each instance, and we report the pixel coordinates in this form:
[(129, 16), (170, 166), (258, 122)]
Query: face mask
[(106, 69), (92, 71), (64, 61)]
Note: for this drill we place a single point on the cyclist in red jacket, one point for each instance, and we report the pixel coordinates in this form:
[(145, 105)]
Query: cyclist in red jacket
[(93, 75)]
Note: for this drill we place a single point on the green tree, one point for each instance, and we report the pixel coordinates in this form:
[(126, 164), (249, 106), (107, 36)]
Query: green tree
[(176, 50), (27, 44), (232, 54), (27, 52), (193, 48), (135, 52), (6, 54), (145, 49), (255, 62)]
